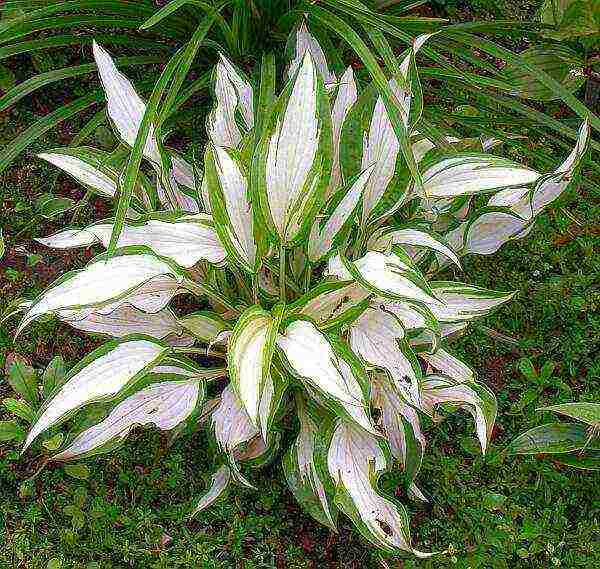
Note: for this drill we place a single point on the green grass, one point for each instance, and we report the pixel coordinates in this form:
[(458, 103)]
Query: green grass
[(493, 512)]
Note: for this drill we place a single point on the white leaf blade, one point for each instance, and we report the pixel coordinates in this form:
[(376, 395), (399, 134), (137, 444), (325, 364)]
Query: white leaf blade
[(164, 405), (312, 358), (125, 107), (103, 377), (219, 483)]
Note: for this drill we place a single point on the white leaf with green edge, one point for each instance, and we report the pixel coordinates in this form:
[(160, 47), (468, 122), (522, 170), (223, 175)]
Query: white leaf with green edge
[(164, 405), (383, 274), (345, 98), (329, 300), (219, 483), (227, 185), (204, 325), (304, 477), (2, 244), (231, 423), (186, 241), (125, 107), (550, 188), (479, 401), (101, 375), (306, 42), (126, 319), (312, 358), (101, 282), (552, 438), (400, 423), (472, 174), (587, 412), (233, 95), (488, 232), (411, 316), (249, 353), (85, 173), (150, 297), (445, 363), (415, 238), (322, 237), (290, 164), (355, 460), (464, 302), (377, 336), (380, 148), (509, 197)]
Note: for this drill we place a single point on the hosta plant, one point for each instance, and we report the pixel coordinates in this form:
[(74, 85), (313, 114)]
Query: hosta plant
[(313, 232), (572, 444)]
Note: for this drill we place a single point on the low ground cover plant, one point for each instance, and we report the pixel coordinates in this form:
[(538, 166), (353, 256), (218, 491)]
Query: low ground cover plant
[(315, 227)]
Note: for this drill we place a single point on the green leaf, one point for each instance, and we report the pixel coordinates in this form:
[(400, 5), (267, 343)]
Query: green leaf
[(53, 376), (53, 443), (51, 207), (550, 438), (587, 412), (23, 380), (19, 408), (559, 62), (9, 430), (54, 563), (78, 471)]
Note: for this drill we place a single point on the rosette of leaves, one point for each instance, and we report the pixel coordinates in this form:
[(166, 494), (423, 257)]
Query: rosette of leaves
[(315, 233), (466, 63), (574, 444)]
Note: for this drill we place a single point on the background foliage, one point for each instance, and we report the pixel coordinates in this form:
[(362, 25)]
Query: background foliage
[(500, 512)]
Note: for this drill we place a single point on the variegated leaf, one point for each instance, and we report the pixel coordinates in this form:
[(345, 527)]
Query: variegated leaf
[(99, 178), (465, 302), (322, 237), (126, 319), (164, 405), (101, 375), (355, 460), (400, 423), (249, 355), (385, 275), (312, 357), (445, 363), (219, 483), (305, 42), (473, 173), (378, 337), (345, 97), (330, 301), (185, 241), (125, 107), (413, 238), (227, 185), (101, 282), (479, 401), (234, 95), (292, 163), (231, 423), (304, 473)]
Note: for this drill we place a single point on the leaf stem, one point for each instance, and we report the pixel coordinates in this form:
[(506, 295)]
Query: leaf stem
[(282, 291)]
